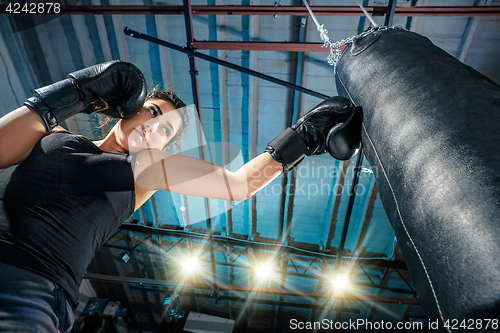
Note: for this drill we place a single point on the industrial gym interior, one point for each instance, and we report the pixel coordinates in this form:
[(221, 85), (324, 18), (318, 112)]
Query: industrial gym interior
[(316, 244)]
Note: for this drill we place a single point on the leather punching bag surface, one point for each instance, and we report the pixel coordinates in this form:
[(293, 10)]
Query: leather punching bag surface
[(431, 132)]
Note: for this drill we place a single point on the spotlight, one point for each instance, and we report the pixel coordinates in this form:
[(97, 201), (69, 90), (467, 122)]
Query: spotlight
[(263, 271), (190, 265), (340, 283)]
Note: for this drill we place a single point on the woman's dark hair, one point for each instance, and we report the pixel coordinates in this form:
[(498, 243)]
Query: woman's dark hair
[(169, 96)]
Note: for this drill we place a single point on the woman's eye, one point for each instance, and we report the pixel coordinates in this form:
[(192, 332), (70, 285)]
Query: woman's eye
[(166, 131), (153, 112)]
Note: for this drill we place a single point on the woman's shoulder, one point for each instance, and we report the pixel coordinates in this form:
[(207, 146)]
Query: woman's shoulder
[(60, 134), (61, 138)]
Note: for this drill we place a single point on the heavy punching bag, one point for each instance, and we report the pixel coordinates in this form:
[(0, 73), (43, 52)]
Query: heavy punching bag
[(431, 132)]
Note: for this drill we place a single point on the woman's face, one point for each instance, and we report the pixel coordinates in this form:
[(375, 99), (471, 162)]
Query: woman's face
[(153, 127)]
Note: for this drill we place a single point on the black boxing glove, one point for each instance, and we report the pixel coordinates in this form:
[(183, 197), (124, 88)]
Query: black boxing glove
[(308, 136), (344, 139), (115, 88)]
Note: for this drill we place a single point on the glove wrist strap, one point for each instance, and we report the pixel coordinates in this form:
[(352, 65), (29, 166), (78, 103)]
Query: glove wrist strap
[(56, 103), (288, 148)]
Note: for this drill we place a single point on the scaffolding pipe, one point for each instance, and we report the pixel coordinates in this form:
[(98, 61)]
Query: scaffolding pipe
[(408, 11), (196, 96), (139, 35)]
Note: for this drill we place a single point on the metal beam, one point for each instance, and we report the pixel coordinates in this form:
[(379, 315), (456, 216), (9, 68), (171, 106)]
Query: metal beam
[(284, 271), (468, 11), (368, 219), (288, 193), (192, 60), (245, 300), (196, 98), (389, 15), (289, 10), (261, 46), (319, 287), (365, 261), (232, 313), (268, 291), (332, 226), (350, 206), (224, 117), (290, 178), (253, 116), (144, 269), (139, 35), (345, 227), (383, 281), (193, 71)]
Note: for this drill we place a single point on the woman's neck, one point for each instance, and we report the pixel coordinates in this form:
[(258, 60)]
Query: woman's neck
[(111, 143)]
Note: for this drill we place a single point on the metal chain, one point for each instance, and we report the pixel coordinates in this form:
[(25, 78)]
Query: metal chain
[(335, 51)]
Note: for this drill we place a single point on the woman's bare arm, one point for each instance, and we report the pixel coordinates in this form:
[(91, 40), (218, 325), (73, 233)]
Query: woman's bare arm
[(155, 169), (19, 131)]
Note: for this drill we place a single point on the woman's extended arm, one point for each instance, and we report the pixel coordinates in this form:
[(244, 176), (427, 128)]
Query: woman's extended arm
[(19, 131), (156, 169)]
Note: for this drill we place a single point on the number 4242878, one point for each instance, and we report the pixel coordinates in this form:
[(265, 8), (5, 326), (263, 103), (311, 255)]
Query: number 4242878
[(33, 8)]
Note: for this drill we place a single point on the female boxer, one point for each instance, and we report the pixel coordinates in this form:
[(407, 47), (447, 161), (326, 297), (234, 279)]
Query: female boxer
[(68, 195)]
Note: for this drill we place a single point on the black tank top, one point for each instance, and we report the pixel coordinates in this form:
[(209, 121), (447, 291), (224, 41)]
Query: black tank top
[(61, 204)]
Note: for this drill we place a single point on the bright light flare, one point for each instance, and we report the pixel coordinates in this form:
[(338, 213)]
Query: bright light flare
[(341, 283), (263, 271), (190, 265)]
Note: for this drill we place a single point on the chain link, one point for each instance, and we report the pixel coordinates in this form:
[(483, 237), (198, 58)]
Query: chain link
[(335, 51)]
